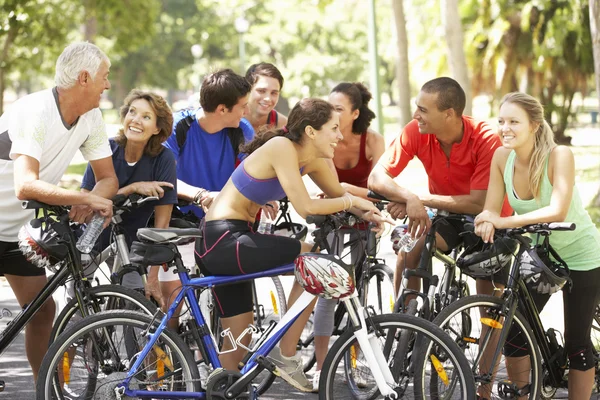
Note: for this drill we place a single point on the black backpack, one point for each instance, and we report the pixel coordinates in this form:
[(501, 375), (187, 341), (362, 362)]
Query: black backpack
[(235, 135)]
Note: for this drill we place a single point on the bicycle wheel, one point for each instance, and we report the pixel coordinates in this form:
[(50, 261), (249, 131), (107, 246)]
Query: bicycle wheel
[(475, 323), (102, 347), (102, 298), (595, 335), (388, 328), (380, 290)]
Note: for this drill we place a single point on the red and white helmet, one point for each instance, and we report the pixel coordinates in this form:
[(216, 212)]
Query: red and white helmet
[(325, 275)]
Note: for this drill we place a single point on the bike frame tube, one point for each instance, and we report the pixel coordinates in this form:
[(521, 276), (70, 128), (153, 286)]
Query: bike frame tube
[(209, 346), (373, 354), (18, 323)]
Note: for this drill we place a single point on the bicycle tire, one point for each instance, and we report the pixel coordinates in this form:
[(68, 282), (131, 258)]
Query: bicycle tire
[(451, 320), (330, 387), (103, 294), (99, 372), (380, 290)]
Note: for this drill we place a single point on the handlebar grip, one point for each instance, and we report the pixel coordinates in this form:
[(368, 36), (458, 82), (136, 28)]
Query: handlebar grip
[(119, 199), (33, 204), (562, 226), (315, 219), (371, 194)]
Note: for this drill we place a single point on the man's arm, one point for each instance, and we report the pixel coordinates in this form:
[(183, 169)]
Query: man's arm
[(106, 186), (471, 203), (28, 186)]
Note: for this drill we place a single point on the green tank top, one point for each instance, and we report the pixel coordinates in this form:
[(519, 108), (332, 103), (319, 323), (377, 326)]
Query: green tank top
[(579, 248)]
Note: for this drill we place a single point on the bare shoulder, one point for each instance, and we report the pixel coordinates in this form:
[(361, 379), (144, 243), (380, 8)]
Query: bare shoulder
[(561, 155), (561, 152), (374, 138), (500, 156), (281, 120)]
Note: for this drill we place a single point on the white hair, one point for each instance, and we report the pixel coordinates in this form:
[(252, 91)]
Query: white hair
[(75, 58)]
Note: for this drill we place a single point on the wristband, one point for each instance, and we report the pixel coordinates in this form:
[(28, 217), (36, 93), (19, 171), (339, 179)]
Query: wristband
[(198, 197), (350, 199)]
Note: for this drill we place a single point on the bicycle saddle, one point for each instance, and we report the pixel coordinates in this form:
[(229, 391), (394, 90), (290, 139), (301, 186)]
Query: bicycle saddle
[(156, 235)]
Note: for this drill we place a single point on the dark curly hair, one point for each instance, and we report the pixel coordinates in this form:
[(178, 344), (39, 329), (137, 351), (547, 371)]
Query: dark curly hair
[(359, 96), (307, 112), (164, 120)]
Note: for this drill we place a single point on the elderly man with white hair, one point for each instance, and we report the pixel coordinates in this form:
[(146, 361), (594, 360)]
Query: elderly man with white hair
[(39, 135)]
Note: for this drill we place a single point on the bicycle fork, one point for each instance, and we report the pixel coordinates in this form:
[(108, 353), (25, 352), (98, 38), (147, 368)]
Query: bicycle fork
[(370, 347)]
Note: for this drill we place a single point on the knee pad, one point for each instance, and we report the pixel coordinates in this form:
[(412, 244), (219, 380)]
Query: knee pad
[(581, 359)]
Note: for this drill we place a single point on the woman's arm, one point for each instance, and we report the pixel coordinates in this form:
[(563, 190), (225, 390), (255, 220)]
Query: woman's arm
[(494, 197), (562, 179)]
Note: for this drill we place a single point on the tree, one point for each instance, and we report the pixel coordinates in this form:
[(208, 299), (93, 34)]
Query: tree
[(402, 69), (455, 43), (32, 35)]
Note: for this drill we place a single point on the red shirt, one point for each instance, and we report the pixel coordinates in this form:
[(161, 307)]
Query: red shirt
[(467, 168)]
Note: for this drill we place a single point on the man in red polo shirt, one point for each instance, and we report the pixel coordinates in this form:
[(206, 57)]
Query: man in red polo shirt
[(456, 152)]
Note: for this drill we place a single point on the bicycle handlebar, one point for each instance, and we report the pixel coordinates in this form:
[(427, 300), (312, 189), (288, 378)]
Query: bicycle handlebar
[(120, 203)]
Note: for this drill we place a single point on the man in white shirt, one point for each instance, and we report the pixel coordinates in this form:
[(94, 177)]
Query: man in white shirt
[(39, 135)]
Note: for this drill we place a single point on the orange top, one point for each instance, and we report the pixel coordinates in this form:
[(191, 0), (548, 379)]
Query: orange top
[(467, 168)]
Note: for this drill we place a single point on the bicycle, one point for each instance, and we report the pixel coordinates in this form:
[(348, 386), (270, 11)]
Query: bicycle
[(111, 366), (436, 293), (516, 308), (372, 272), (87, 299)]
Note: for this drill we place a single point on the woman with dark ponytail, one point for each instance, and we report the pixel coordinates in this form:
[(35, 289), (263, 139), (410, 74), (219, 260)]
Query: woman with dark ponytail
[(276, 162), (355, 156)]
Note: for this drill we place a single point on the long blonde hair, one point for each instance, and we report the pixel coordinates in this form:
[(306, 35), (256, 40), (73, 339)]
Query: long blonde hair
[(543, 137)]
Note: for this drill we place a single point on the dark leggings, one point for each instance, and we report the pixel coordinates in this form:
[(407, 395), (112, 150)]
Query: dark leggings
[(231, 247), (579, 307)]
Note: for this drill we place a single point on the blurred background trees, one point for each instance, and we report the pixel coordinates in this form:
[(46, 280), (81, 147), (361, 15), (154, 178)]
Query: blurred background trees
[(543, 47)]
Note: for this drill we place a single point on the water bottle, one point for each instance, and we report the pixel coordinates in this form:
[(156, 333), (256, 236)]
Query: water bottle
[(405, 242), (265, 226), (86, 242)]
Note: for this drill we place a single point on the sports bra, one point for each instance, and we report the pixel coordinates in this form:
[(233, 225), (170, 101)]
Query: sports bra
[(260, 191)]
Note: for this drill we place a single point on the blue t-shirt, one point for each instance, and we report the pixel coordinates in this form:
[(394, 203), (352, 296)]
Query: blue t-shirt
[(206, 160), (160, 168)]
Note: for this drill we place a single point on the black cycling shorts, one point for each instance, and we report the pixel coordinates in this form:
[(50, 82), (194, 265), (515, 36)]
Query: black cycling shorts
[(579, 306), (13, 262), (450, 230), (231, 247)]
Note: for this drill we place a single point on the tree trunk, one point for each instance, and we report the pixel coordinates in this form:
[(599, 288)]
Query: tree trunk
[(594, 28), (10, 38), (90, 26), (402, 71), (455, 44)]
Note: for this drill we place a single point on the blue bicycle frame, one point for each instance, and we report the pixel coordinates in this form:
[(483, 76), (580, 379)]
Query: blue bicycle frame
[(187, 292)]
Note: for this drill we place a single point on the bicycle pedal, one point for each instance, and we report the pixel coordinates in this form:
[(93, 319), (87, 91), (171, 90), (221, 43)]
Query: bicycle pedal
[(509, 390), (266, 363)]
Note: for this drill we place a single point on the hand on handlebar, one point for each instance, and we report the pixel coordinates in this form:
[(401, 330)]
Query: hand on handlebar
[(486, 224), (271, 209), (83, 212), (397, 210), (418, 219), (152, 188)]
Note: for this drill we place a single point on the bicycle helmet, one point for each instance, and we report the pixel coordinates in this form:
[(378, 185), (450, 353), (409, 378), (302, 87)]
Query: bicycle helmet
[(324, 275), (41, 241), (490, 259), (542, 274)]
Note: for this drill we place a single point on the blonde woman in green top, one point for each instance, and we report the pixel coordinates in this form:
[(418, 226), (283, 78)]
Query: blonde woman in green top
[(539, 179)]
